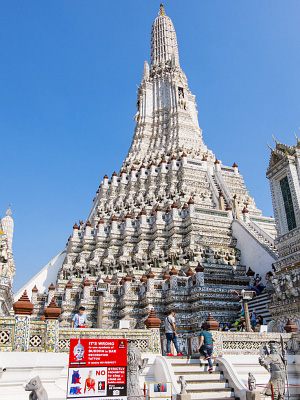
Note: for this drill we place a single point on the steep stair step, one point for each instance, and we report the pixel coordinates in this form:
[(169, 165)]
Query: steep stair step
[(184, 360), (201, 385), (201, 375), (188, 369), (211, 393)]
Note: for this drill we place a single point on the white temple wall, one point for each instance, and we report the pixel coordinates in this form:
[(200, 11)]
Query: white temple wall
[(252, 253), (44, 277), (52, 368)]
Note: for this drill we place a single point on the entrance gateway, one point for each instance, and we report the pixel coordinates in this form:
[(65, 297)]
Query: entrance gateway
[(97, 369)]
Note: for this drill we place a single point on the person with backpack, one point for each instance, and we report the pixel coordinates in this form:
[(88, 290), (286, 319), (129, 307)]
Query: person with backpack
[(206, 346), (79, 320), (171, 334)]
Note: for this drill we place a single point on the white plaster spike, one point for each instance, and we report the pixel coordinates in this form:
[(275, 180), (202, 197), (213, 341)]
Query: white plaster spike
[(146, 70)]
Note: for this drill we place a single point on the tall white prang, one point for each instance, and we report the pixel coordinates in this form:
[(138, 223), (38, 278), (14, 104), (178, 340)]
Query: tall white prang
[(172, 228)]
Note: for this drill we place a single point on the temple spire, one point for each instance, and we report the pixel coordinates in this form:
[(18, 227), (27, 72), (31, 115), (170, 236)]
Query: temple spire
[(163, 40)]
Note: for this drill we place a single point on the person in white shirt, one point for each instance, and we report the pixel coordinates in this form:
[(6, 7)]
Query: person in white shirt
[(79, 320)]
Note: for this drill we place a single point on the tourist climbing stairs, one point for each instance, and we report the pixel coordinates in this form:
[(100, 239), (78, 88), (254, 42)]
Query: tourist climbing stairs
[(260, 305), (200, 383)]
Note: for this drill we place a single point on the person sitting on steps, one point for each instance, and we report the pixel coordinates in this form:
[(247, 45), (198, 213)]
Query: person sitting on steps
[(258, 287), (206, 346)]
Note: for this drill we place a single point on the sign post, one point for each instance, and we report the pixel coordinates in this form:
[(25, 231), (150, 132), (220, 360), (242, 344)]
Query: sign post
[(247, 295), (97, 369), (101, 289)]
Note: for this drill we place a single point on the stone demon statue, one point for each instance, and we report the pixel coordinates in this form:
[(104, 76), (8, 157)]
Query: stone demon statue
[(273, 361), (135, 365), (37, 390)]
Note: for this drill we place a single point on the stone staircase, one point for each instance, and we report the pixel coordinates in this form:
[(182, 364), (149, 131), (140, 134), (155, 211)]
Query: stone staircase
[(257, 233), (259, 304), (200, 383), (219, 189)]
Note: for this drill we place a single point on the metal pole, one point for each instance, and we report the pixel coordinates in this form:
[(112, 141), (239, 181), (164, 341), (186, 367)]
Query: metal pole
[(100, 310), (247, 316), (272, 390)]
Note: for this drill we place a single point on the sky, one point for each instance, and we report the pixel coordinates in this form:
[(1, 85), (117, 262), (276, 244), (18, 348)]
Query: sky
[(69, 72)]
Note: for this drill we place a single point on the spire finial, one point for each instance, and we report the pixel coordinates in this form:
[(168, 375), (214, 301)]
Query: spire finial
[(161, 10), (274, 139), (9, 212), (270, 147)]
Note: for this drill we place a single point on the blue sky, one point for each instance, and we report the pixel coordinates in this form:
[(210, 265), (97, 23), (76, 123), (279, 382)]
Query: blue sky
[(68, 77)]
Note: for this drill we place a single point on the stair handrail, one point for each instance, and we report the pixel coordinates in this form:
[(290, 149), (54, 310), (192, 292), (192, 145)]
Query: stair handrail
[(235, 382), (264, 245), (224, 188), (215, 192), (261, 231), (168, 372)]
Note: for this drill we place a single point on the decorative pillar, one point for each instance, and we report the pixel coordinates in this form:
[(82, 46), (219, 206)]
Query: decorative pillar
[(150, 281), (51, 313), (290, 327), (23, 309), (229, 209), (153, 323), (68, 290), (127, 284), (166, 275), (250, 272), (245, 214), (199, 275), (221, 201), (191, 205), (51, 293), (86, 290), (236, 207), (211, 324), (173, 279), (236, 170), (34, 293), (217, 166), (189, 272)]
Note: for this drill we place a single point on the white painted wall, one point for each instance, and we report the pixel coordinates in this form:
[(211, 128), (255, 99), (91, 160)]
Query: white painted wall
[(53, 371), (253, 254), (44, 277), (52, 368)]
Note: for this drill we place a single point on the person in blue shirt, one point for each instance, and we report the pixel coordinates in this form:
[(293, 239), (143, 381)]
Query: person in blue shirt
[(206, 346), (79, 320), (258, 286)]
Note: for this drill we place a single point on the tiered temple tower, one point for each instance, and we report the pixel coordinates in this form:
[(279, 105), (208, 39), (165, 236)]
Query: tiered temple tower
[(160, 231), (7, 267), (284, 176)]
